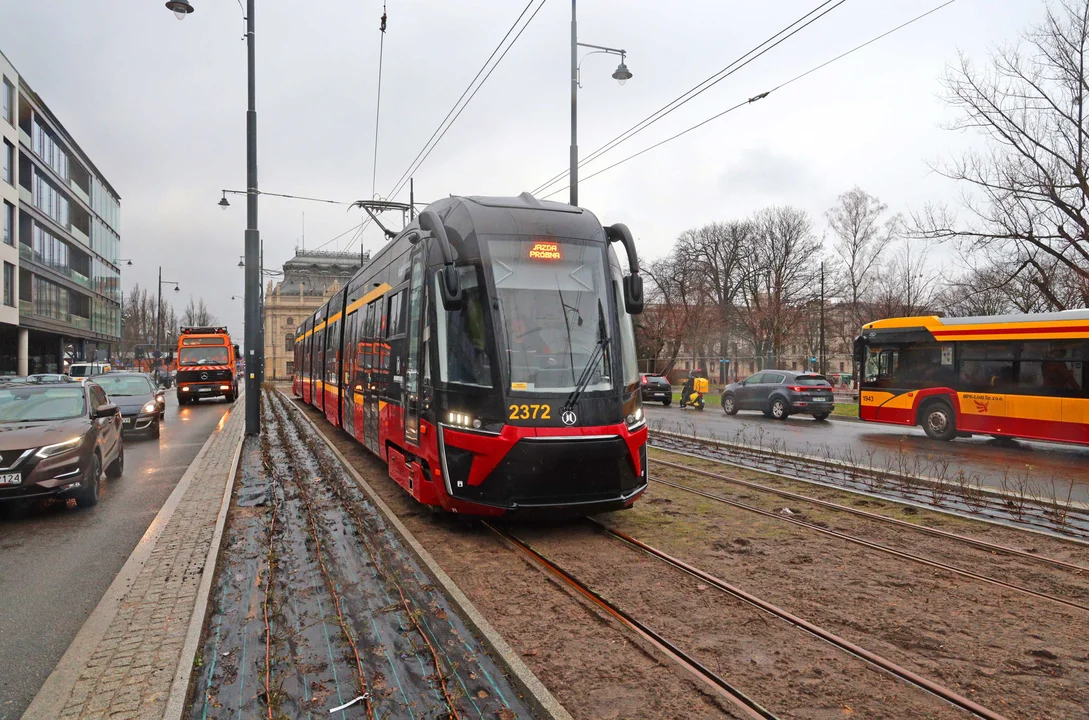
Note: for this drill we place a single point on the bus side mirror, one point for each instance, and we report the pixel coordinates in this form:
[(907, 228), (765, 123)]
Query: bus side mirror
[(450, 287)]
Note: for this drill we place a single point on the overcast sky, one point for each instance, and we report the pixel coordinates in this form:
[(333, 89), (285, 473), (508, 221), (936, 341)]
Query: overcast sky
[(159, 106)]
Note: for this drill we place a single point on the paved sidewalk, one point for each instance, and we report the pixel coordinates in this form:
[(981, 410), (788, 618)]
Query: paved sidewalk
[(125, 661)]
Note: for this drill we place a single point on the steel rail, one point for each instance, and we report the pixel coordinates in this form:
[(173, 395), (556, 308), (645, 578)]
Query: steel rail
[(874, 546), (981, 544), (712, 680), (934, 688)]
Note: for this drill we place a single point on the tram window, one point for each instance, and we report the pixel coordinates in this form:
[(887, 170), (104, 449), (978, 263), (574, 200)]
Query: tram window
[(462, 341), (396, 315)]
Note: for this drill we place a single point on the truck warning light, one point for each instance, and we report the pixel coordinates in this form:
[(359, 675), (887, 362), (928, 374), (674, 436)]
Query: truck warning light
[(545, 251)]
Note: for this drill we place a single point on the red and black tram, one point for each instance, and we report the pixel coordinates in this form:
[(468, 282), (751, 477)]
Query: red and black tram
[(487, 355)]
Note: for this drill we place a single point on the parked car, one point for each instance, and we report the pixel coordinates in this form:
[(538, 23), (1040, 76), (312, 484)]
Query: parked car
[(48, 378), (780, 394), (13, 379), (655, 387), (56, 439), (142, 404)]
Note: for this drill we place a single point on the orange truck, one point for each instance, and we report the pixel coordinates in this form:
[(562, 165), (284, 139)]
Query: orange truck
[(207, 365)]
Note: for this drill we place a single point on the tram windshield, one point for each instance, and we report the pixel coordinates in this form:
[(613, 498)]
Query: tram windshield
[(553, 311)]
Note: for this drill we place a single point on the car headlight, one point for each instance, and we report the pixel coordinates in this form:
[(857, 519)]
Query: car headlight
[(635, 418), (152, 406), (58, 448)]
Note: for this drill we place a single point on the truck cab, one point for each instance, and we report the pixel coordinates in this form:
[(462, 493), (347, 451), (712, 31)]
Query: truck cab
[(207, 365)]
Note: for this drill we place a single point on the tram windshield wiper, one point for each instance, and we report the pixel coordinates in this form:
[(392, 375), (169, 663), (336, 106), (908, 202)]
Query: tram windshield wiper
[(599, 348)]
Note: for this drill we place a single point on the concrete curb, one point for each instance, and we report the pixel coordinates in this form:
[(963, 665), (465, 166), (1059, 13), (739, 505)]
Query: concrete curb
[(179, 688), (538, 695), (54, 693)]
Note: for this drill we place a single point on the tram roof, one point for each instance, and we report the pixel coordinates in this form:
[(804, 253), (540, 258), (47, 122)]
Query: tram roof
[(519, 215)]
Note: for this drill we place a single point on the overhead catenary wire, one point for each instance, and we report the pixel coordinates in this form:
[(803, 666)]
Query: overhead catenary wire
[(455, 111), (787, 32), (378, 103), (334, 239), (762, 95)]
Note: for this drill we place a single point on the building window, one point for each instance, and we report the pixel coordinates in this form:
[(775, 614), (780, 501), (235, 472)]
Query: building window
[(290, 367), (289, 342), (841, 367), (9, 223), (9, 284), (9, 163), (8, 101), (290, 322)]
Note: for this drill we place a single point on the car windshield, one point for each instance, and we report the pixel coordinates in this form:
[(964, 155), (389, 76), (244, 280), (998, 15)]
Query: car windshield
[(124, 385), (27, 404), (212, 355), (551, 297)]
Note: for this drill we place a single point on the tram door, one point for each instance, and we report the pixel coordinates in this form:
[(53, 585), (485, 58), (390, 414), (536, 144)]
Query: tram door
[(370, 355), (412, 351)]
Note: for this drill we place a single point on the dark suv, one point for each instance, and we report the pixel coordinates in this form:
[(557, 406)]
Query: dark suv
[(655, 387), (55, 439), (780, 394)]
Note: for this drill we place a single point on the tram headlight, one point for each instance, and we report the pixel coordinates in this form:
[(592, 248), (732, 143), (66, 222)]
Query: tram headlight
[(635, 418), (462, 420)]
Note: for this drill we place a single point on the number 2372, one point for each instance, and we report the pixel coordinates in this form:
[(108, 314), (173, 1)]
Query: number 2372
[(530, 412)]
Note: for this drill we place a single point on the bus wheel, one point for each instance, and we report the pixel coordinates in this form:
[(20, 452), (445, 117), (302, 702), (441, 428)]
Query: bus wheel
[(938, 421)]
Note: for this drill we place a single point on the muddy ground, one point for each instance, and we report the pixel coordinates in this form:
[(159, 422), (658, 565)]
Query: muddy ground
[(317, 603)]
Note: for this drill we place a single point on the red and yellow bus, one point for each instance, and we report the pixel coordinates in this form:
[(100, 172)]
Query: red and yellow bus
[(1020, 376)]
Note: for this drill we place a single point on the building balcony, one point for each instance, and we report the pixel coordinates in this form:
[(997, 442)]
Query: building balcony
[(25, 196), (79, 192), (79, 235), (24, 138), (26, 307)]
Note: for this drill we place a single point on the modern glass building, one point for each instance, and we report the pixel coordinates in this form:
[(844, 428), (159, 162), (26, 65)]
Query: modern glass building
[(61, 293)]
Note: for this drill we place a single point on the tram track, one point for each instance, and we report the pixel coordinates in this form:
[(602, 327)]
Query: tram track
[(749, 705), (946, 567), (901, 478)]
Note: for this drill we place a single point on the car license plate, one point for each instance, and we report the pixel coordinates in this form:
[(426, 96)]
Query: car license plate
[(126, 421), (11, 479), (205, 390)]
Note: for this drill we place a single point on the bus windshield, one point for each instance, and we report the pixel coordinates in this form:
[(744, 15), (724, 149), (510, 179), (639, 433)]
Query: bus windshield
[(552, 313), (207, 355)]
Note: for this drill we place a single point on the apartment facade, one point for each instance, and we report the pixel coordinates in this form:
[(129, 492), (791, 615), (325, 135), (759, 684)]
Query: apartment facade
[(310, 278), (61, 284)]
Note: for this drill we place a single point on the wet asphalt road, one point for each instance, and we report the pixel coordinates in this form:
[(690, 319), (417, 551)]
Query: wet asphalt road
[(1053, 467), (56, 562)]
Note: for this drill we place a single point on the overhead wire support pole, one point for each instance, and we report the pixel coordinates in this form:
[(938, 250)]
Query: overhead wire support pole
[(254, 352), (574, 173)]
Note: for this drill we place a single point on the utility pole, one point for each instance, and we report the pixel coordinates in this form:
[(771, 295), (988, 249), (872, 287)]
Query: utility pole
[(822, 359), (573, 179), (254, 351)]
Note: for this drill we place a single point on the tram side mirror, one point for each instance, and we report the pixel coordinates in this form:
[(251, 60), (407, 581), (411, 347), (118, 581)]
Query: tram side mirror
[(633, 294), (451, 288), (451, 280)]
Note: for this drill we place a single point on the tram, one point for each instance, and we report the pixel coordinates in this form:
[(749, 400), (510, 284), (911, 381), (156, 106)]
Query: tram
[(1023, 376), (487, 355)]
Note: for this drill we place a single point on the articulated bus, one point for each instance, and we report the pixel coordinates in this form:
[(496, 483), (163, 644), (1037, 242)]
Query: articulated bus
[(1022, 376), (487, 355)]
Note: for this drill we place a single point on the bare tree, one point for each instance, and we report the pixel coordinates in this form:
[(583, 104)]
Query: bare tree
[(907, 285), (1027, 194), (719, 249), (781, 271), (197, 314), (862, 239)]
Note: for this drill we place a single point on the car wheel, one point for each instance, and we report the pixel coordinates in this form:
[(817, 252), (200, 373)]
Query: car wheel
[(820, 416), (938, 421), (779, 409), (182, 401), (729, 404), (667, 402), (155, 428), (87, 496), (117, 467)]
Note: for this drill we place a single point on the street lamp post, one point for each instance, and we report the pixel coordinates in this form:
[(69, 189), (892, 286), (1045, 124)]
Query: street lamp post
[(254, 352), (159, 315), (622, 75)]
